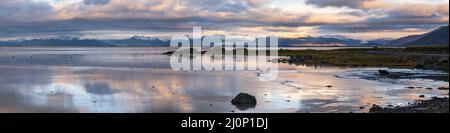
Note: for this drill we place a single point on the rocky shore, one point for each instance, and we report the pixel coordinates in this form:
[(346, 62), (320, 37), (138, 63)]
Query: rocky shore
[(414, 75), (435, 105)]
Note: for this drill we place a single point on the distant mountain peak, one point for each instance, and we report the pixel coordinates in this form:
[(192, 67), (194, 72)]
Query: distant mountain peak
[(63, 38), (333, 40), (439, 36), (137, 37), (75, 41), (335, 37)]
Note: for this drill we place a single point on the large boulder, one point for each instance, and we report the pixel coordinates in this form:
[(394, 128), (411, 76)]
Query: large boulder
[(244, 101)]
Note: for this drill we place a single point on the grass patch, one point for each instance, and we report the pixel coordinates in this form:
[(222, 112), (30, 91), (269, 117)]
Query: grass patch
[(372, 57)]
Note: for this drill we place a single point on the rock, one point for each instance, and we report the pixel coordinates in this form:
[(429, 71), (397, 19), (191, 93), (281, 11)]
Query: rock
[(361, 107), (429, 88), (243, 101), (410, 87), (419, 66), (169, 53), (443, 60), (329, 86), (442, 88), (244, 98), (435, 105), (421, 96), (383, 72), (388, 74)]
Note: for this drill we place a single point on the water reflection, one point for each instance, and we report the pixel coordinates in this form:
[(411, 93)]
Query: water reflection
[(139, 80)]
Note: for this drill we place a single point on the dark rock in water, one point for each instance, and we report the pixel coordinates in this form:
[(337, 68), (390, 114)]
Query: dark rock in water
[(443, 60), (429, 88), (169, 53), (244, 101), (244, 98), (388, 74), (410, 87), (419, 66), (329, 86), (383, 72), (361, 107), (442, 88), (191, 52), (421, 96)]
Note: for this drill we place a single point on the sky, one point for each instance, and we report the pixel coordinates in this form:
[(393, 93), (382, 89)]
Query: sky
[(111, 19)]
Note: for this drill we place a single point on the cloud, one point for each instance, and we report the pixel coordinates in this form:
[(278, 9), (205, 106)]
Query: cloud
[(24, 10), (25, 17), (95, 2), (418, 10), (380, 15), (256, 3), (339, 3)]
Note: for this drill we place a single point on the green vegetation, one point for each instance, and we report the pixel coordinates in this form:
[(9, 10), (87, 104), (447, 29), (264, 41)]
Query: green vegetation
[(427, 50), (413, 57)]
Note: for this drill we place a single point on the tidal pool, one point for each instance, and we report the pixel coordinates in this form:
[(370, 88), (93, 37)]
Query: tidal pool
[(136, 80)]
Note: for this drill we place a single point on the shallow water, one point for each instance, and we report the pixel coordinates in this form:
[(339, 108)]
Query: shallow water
[(141, 80)]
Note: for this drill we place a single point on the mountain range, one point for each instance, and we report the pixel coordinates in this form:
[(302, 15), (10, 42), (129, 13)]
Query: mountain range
[(435, 37), (71, 41), (319, 41), (439, 36)]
